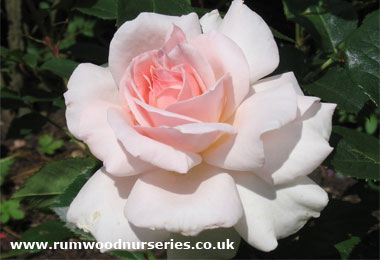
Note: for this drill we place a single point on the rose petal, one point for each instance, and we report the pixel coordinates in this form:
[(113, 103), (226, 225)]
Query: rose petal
[(160, 117), (253, 36), (260, 113), (274, 212), (211, 21), (299, 147), (177, 37), (101, 213), (138, 71), (187, 54), (192, 85), (91, 91), (278, 80), (304, 102), (225, 57), (206, 107), (205, 198), (149, 31), (219, 238), (189, 137), (149, 150)]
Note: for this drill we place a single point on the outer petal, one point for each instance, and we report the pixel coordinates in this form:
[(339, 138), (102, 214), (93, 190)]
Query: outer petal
[(225, 57), (149, 31), (91, 91), (299, 147), (260, 113), (218, 237), (205, 198), (189, 137), (149, 150), (303, 102), (278, 80), (254, 37), (211, 21), (101, 213), (274, 212)]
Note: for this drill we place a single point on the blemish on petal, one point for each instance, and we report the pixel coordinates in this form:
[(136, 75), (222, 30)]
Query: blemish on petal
[(95, 216)]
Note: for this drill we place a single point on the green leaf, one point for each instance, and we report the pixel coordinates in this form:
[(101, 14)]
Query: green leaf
[(5, 164), (281, 36), (129, 9), (335, 86), (4, 217), (61, 67), (54, 177), (49, 232), (62, 203), (355, 154), (345, 247), (10, 208), (328, 21), (371, 124), (48, 145), (104, 9), (31, 60), (362, 51)]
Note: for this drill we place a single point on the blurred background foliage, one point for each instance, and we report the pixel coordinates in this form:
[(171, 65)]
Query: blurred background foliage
[(332, 46)]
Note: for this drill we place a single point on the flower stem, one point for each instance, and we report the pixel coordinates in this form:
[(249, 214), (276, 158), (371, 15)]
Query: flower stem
[(314, 73)]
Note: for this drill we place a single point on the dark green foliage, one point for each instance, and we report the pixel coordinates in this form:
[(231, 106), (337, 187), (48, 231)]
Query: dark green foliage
[(53, 178), (362, 53)]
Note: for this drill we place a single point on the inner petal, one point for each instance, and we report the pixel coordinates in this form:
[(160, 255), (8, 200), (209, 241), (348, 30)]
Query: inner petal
[(163, 79), (175, 73), (166, 97)]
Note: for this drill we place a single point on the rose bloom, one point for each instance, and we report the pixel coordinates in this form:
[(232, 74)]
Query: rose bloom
[(193, 141)]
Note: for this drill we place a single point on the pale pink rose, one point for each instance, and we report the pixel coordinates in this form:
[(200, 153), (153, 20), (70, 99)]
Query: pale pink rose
[(191, 138)]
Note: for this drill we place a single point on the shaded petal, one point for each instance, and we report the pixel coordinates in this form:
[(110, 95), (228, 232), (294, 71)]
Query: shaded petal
[(206, 107), (149, 31), (189, 137), (278, 80), (304, 102), (218, 237), (258, 114), (211, 21), (101, 213), (190, 86), (149, 150), (274, 212), (253, 36), (160, 117), (225, 57), (205, 198), (91, 91), (299, 147)]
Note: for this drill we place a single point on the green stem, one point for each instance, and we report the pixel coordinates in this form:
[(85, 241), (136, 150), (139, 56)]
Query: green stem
[(299, 37), (314, 73), (326, 64), (373, 185)]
